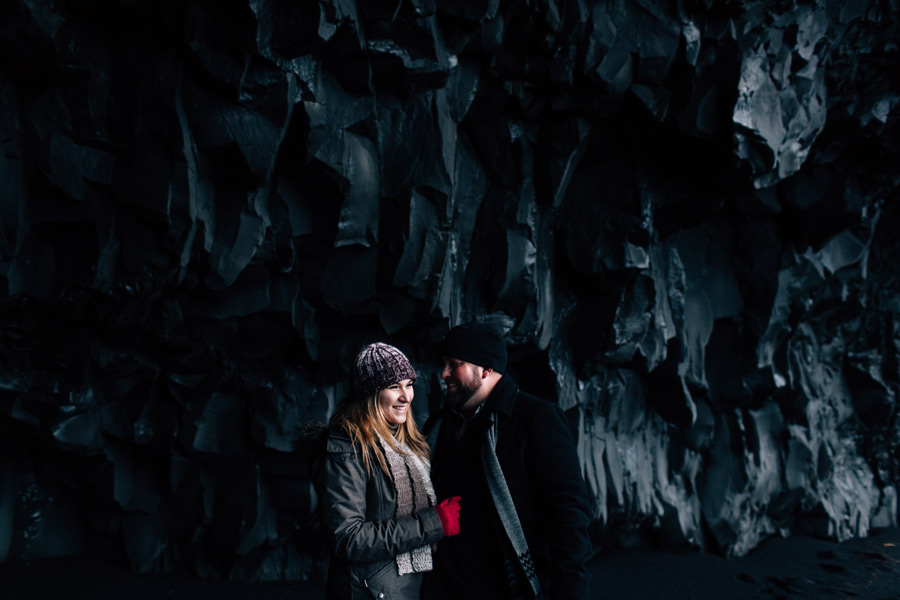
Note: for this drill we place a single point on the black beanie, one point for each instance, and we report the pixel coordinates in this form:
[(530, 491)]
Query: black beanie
[(477, 343)]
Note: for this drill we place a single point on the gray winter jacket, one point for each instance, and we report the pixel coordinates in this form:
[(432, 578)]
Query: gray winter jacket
[(366, 536)]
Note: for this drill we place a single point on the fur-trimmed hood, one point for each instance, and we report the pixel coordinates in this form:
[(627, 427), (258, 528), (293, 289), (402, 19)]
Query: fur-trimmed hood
[(308, 435)]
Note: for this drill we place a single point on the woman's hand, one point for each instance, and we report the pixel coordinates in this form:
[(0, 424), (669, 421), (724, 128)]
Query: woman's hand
[(448, 512)]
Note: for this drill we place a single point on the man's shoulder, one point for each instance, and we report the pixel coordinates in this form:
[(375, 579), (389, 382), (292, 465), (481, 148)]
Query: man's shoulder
[(530, 408), (529, 403), (531, 411), (534, 420)]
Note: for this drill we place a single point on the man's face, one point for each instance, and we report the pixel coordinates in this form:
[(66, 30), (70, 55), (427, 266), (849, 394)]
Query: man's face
[(463, 380)]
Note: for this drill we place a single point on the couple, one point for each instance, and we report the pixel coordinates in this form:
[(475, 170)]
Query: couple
[(506, 457)]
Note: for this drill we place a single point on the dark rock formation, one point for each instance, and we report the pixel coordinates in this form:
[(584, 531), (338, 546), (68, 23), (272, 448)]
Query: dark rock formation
[(683, 214)]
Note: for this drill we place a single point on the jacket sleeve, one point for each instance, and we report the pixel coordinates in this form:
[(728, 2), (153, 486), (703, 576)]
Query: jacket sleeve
[(354, 538), (563, 494)]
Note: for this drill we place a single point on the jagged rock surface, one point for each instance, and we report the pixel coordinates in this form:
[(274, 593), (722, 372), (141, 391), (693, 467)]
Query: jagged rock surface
[(683, 214)]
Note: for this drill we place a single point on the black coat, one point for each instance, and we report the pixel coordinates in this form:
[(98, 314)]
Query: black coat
[(359, 512), (536, 452)]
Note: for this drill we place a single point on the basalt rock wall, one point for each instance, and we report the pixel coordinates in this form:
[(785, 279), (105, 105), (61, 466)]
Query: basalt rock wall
[(684, 216)]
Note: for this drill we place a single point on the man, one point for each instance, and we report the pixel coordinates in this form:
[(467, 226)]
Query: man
[(511, 457)]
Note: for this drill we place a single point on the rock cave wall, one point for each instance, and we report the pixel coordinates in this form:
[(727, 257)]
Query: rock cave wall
[(683, 215)]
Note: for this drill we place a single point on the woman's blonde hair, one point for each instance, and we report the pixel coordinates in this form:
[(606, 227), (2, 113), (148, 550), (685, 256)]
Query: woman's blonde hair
[(363, 420)]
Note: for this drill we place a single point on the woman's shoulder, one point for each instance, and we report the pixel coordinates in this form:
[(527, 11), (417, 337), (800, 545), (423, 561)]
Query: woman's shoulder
[(314, 437), (309, 436), (338, 441)]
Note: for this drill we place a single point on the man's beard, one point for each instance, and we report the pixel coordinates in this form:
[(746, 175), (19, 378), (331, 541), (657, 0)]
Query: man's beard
[(457, 398)]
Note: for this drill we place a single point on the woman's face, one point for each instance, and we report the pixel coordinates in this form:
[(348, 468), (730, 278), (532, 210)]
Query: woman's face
[(395, 400)]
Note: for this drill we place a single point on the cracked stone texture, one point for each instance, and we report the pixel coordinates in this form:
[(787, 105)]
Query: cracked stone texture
[(682, 214)]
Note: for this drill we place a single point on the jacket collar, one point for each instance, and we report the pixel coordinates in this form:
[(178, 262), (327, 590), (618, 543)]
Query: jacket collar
[(503, 396)]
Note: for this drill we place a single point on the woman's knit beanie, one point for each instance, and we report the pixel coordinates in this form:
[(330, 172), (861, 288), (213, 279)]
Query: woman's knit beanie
[(377, 367)]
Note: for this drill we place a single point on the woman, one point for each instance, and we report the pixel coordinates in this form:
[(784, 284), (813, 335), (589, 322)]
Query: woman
[(377, 497)]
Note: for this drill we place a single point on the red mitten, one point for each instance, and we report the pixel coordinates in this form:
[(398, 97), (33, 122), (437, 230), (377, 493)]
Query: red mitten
[(448, 511)]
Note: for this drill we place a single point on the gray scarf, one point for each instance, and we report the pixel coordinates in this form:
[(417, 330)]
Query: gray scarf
[(412, 482)]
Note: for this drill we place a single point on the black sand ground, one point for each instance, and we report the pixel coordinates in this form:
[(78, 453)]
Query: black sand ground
[(780, 569)]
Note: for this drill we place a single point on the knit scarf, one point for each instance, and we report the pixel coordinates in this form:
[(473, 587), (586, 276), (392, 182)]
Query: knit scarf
[(412, 482), (506, 510)]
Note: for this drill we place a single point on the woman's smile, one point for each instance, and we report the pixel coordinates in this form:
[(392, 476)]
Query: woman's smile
[(395, 400)]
